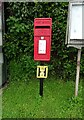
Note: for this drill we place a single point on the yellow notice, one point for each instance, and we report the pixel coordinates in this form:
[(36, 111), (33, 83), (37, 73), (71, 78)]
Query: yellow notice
[(42, 71)]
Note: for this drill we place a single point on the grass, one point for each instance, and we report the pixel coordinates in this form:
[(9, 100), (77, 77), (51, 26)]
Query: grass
[(22, 100)]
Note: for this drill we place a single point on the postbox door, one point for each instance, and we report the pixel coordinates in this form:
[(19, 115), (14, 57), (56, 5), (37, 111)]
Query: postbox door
[(42, 48)]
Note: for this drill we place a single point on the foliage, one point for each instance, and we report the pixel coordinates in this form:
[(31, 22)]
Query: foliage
[(19, 36), (82, 64), (23, 69)]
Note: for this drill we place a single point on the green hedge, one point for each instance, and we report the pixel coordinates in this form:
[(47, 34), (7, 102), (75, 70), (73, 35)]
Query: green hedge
[(19, 37)]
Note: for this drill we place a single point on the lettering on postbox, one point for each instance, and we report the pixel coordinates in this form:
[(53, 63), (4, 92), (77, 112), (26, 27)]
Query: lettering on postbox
[(42, 39)]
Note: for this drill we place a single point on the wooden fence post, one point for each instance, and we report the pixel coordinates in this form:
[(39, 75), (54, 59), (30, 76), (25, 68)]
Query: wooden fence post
[(78, 72)]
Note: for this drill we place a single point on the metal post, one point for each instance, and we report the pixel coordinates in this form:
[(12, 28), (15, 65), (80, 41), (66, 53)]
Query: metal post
[(78, 72), (41, 82), (41, 86), (3, 67)]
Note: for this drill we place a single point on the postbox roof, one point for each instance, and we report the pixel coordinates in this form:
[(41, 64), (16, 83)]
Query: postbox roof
[(43, 21)]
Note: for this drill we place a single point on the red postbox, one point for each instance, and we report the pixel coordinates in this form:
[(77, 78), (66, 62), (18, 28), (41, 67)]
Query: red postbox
[(42, 38)]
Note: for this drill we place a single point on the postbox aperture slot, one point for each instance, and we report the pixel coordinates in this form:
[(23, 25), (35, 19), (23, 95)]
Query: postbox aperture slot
[(42, 26)]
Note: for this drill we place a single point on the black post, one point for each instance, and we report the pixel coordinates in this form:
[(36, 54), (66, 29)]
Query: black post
[(41, 86)]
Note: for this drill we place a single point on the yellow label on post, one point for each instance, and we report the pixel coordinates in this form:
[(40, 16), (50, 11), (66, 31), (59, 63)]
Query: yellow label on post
[(42, 71)]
